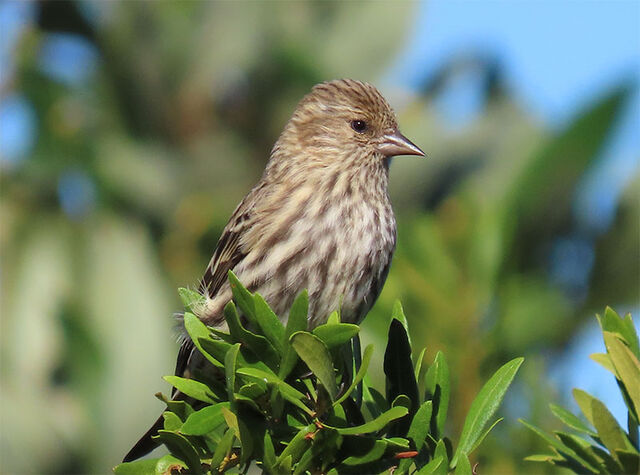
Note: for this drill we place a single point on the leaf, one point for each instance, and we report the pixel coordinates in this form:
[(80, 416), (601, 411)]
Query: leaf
[(179, 445), (141, 467), (438, 388), (398, 369), (205, 420), (259, 345), (366, 358), (191, 299), (555, 443), (375, 425), (269, 323), (418, 368), (463, 467), (315, 354), (484, 407), (168, 465), (609, 432), (485, 434), (627, 367), (194, 389), (223, 449), (583, 449), (441, 452), (230, 369), (570, 419), (431, 467), (334, 318), (611, 322), (376, 452), (296, 322), (604, 361), (199, 331), (584, 402), (418, 430), (297, 446), (171, 421), (242, 297), (334, 335), (269, 459), (288, 392)]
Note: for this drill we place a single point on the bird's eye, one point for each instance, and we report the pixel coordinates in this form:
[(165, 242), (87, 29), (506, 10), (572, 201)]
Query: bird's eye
[(359, 126)]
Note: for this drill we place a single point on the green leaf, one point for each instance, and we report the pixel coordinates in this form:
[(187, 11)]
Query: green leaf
[(288, 392), (191, 299), (366, 358), (259, 345), (582, 448), (179, 445), (230, 369), (205, 420), (556, 444), (334, 335), (441, 452), (397, 313), (375, 425), (438, 388), (315, 354), (142, 467), (269, 323), (418, 368), (584, 403), (609, 432), (168, 465), (418, 431), (296, 322), (484, 407), (431, 467), (627, 367), (485, 434), (463, 467), (570, 419), (198, 331), (398, 369), (223, 449), (194, 389), (611, 322), (297, 446), (334, 318), (376, 452), (171, 421), (243, 298), (604, 361), (269, 459)]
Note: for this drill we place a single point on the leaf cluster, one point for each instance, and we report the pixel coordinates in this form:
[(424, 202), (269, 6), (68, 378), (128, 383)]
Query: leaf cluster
[(613, 449), (298, 401)]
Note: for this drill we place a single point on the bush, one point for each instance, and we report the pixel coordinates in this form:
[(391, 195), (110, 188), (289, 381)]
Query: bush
[(298, 401), (614, 451)]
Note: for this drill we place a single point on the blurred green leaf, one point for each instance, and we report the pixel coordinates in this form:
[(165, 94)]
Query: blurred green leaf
[(432, 467), (142, 467), (570, 419), (438, 388), (463, 467), (611, 322), (627, 368), (609, 432), (190, 298)]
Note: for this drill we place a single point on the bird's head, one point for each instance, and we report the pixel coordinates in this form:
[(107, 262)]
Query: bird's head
[(346, 118)]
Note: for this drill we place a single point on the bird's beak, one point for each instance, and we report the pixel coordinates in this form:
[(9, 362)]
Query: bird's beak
[(395, 143)]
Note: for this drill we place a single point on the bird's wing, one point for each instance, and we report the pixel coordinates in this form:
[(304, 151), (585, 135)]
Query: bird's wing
[(229, 250)]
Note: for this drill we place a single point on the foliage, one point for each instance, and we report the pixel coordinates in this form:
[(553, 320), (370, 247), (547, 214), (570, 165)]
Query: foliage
[(615, 450), (297, 401)]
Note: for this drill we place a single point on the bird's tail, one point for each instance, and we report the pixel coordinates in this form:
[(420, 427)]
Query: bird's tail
[(146, 443)]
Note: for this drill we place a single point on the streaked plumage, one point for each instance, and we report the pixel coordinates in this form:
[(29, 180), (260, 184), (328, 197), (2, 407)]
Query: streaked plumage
[(319, 218)]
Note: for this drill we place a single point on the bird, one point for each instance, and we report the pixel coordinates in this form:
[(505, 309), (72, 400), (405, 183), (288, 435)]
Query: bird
[(319, 218)]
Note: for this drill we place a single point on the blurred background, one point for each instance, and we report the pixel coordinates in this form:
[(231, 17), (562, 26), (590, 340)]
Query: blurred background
[(130, 130)]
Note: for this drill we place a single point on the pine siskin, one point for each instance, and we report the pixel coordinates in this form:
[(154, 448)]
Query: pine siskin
[(319, 218)]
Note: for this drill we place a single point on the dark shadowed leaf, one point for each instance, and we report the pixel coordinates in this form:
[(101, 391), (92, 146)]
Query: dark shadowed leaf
[(438, 388), (366, 358), (297, 322)]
